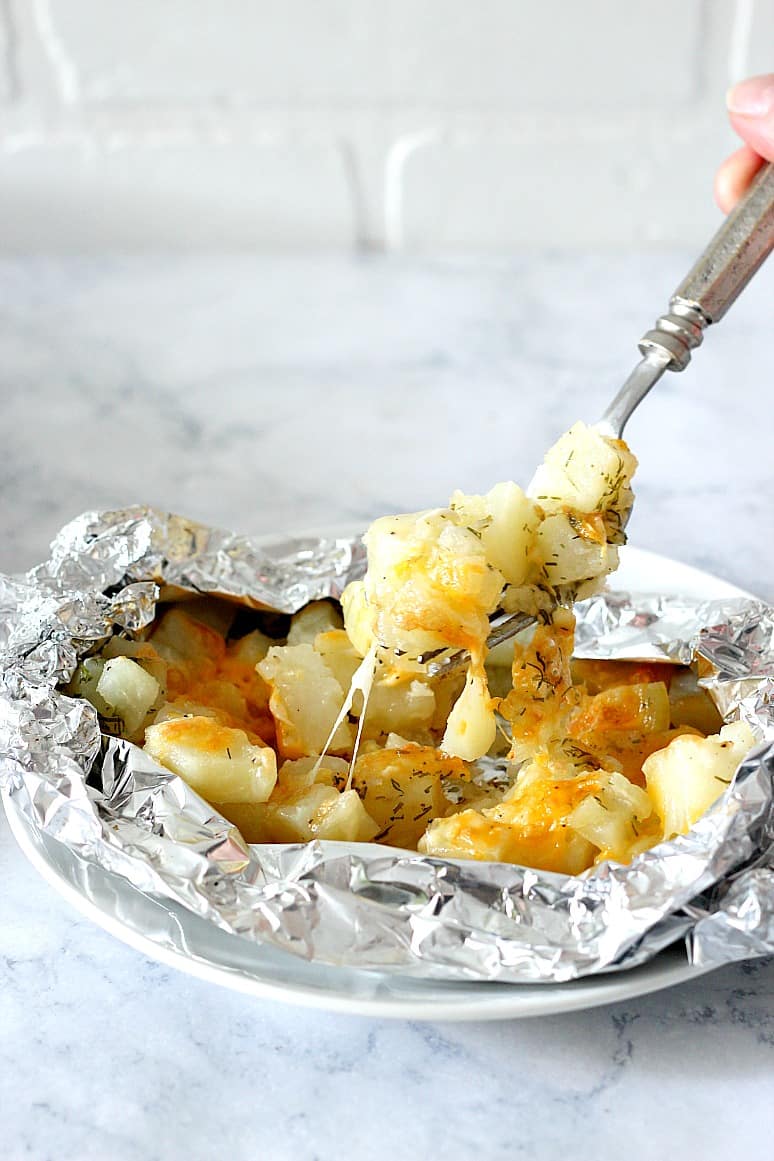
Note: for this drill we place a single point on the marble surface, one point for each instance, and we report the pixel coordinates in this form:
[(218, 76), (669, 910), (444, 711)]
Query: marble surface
[(290, 392)]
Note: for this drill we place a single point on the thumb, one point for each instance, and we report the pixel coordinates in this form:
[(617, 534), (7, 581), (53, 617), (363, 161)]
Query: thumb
[(751, 109)]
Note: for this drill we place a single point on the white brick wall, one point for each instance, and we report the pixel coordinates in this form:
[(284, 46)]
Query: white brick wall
[(366, 123)]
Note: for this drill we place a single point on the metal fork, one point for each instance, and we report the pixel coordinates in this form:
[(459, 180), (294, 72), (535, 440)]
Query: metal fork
[(738, 249)]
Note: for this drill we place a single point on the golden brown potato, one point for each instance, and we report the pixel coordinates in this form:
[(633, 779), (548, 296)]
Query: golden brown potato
[(402, 790), (220, 763), (313, 812)]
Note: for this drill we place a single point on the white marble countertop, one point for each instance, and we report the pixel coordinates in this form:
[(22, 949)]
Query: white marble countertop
[(283, 393)]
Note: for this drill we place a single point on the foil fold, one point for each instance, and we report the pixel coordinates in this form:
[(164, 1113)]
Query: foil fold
[(359, 905)]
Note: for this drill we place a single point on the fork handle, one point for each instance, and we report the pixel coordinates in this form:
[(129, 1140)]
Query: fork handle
[(738, 249)]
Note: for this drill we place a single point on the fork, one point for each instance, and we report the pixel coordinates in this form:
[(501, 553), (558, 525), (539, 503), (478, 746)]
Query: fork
[(718, 277)]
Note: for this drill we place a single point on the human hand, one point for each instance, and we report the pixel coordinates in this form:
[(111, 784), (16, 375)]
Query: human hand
[(751, 111)]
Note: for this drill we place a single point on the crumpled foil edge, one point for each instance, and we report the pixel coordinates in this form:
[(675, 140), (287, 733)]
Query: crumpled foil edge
[(357, 905)]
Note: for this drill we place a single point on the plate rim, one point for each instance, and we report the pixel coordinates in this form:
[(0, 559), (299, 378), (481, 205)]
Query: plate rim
[(516, 1001), (537, 999)]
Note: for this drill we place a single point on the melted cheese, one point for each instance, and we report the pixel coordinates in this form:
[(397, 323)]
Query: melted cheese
[(434, 578)]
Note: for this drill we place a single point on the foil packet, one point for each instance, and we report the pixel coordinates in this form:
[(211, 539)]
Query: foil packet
[(364, 906)]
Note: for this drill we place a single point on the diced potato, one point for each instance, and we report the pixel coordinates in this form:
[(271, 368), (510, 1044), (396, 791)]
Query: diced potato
[(293, 819), (473, 835), (313, 812), (573, 548), (339, 654), (218, 762), (529, 827), (588, 472), (620, 727), (399, 702), (305, 701), (612, 818), (692, 772), (181, 707), (250, 649), (302, 772), (429, 583), (505, 519), (180, 637), (143, 653), (129, 691), (319, 812), (344, 819), (358, 616), (316, 617), (620, 712), (403, 790)]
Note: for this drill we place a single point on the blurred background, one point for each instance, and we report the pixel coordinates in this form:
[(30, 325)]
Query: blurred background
[(364, 124), (281, 264)]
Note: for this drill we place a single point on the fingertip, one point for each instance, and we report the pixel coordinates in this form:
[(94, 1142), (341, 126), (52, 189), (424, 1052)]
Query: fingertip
[(721, 190), (734, 176), (752, 97), (756, 132)]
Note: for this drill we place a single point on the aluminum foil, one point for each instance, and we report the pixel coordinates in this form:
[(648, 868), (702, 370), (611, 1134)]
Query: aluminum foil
[(360, 905)]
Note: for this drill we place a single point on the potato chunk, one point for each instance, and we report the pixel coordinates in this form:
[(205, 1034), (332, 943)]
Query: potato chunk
[(250, 649), (318, 811), (218, 762), (339, 654), (505, 519), (588, 472), (305, 701), (191, 649), (297, 773), (185, 638), (684, 779), (429, 585), (616, 818), (321, 812), (621, 714), (316, 617), (143, 653), (403, 790), (573, 548), (529, 827), (130, 691)]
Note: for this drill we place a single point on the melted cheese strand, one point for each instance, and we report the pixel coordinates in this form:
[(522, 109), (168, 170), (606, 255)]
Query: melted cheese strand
[(362, 682)]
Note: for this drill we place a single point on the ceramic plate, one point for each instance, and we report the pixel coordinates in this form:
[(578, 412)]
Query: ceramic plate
[(167, 932)]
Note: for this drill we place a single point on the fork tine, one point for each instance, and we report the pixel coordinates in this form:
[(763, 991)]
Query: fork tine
[(505, 625)]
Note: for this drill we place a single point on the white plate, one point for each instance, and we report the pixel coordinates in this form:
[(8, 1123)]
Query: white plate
[(167, 932)]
